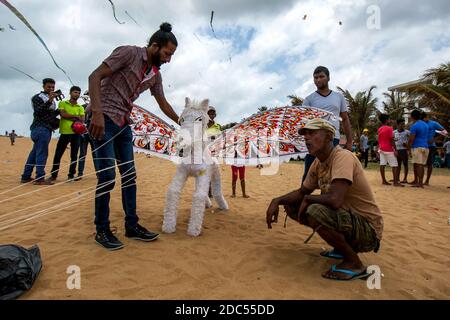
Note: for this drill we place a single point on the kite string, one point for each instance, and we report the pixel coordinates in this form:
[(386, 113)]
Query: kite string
[(55, 199), (64, 202), (114, 12), (24, 20), (82, 158), (59, 183), (126, 12), (49, 210)]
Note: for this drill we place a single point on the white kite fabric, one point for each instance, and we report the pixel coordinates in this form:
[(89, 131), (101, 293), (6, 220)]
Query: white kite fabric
[(267, 136), (262, 138), (152, 135)]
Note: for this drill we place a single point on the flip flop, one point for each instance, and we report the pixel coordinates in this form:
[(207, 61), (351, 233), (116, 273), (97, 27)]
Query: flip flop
[(332, 254), (354, 275)]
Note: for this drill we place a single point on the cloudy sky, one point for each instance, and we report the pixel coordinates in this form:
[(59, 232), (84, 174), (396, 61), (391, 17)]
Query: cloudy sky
[(263, 51)]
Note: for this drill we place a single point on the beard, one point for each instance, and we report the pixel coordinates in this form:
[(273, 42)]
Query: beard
[(322, 86), (156, 59)]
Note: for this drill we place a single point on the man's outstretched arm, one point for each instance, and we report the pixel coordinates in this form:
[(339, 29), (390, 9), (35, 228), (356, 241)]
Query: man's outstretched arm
[(166, 108)]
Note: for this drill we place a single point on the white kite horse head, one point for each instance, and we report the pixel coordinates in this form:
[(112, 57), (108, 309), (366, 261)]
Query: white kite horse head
[(194, 114), (193, 124)]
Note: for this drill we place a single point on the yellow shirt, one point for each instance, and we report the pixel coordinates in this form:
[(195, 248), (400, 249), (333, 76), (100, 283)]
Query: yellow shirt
[(214, 130), (65, 125)]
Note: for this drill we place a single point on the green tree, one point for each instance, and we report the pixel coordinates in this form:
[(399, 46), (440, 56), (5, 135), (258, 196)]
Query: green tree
[(295, 100), (434, 92), (395, 105), (361, 108), (262, 109)]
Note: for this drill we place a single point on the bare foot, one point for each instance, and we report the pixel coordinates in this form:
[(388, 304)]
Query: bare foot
[(417, 186), (426, 184), (386, 183), (246, 196), (398, 185), (404, 181), (233, 196)]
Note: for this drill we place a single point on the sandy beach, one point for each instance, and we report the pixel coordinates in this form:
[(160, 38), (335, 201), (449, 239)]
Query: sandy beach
[(236, 257)]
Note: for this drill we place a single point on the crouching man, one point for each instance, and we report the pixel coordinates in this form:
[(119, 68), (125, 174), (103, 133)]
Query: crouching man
[(345, 214)]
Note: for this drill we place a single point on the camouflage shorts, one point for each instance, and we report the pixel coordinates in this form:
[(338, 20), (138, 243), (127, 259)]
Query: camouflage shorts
[(356, 229)]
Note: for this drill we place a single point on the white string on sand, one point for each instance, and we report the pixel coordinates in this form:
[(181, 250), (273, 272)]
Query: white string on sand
[(64, 205), (2, 216), (60, 183), (47, 213), (123, 175), (21, 186)]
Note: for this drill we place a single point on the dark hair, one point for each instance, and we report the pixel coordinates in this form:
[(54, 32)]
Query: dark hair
[(401, 120), (424, 115), (323, 69), (163, 36), (48, 80), (75, 88), (416, 114), (383, 118)]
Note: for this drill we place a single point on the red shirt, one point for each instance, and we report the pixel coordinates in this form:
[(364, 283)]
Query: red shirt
[(385, 136)]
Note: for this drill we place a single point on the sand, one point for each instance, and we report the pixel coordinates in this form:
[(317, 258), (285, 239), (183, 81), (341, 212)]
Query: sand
[(236, 257)]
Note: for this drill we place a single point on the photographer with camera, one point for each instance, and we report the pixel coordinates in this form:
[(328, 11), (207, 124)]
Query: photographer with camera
[(44, 122), (71, 113)]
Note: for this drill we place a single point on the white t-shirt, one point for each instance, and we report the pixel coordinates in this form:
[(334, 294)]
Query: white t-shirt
[(447, 146), (401, 138), (334, 103)]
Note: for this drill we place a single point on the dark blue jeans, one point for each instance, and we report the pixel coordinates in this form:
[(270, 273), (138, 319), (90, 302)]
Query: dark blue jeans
[(84, 142), (116, 145), (38, 156), (309, 159)]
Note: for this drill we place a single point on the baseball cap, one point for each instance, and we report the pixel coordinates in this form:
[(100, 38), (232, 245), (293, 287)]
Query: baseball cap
[(317, 124)]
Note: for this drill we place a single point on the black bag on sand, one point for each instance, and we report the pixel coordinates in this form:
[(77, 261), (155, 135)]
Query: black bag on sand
[(19, 268)]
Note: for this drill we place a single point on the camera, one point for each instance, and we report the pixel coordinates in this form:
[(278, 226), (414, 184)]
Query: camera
[(59, 95)]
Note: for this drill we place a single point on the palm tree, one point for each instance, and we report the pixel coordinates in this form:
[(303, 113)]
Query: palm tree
[(262, 109), (437, 90), (434, 92), (295, 100), (395, 105), (360, 108)]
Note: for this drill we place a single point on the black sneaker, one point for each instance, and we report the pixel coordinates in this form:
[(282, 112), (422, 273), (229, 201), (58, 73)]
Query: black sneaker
[(78, 178), (140, 233), (106, 239)]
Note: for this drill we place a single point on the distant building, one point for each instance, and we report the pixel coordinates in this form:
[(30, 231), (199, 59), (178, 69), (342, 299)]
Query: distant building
[(413, 103)]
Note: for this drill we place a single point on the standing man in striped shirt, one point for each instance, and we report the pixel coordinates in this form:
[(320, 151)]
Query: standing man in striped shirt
[(113, 86)]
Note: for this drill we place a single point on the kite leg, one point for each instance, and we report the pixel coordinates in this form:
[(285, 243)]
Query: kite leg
[(216, 186), (172, 198), (198, 204), (208, 203)]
